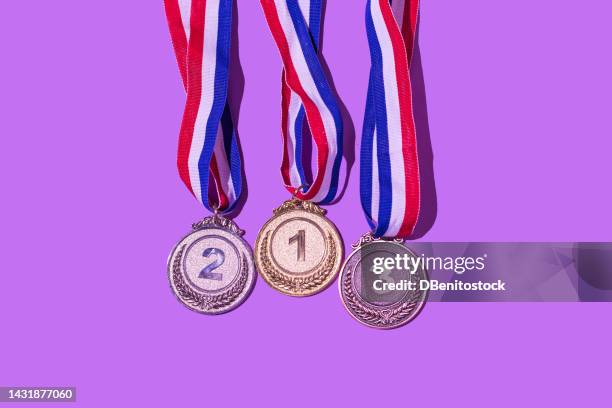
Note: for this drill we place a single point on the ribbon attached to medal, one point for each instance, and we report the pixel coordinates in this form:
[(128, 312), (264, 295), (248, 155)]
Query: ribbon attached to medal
[(389, 177), (309, 258), (390, 191), (220, 272), (208, 147)]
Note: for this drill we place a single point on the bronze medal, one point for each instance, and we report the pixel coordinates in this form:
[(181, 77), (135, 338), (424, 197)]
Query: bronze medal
[(366, 294)]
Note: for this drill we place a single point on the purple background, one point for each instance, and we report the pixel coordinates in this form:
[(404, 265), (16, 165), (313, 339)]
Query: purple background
[(518, 96)]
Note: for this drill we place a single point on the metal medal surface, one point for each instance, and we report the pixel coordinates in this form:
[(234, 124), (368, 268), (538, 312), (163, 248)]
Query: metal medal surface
[(211, 270), (299, 251), (372, 303)]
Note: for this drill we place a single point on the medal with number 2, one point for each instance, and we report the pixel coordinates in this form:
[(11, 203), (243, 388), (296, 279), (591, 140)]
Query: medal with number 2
[(211, 270)]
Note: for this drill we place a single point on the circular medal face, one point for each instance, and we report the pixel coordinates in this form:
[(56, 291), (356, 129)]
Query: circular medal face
[(379, 283), (299, 251), (211, 270)]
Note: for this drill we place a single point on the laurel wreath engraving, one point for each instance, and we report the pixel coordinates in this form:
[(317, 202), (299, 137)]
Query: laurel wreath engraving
[(297, 285), (207, 302), (377, 317)]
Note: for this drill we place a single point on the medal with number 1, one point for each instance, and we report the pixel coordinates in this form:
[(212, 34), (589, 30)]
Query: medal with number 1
[(299, 251)]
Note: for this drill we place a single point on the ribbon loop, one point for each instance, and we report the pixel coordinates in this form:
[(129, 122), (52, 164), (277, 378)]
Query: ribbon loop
[(390, 190), (201, 32), (306, 94)]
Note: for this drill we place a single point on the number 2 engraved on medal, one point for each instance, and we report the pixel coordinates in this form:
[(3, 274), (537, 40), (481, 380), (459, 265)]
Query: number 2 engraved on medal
[(300, 238), (207, 272)]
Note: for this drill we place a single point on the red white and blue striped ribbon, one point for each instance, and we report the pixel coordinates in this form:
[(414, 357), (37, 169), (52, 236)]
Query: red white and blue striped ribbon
[(209, 161), (306, 94), (390, 191)]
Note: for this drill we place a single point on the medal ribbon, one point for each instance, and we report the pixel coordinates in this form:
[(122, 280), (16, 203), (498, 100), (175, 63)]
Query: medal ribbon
[(390, 191), (306, 94), (208, 149)]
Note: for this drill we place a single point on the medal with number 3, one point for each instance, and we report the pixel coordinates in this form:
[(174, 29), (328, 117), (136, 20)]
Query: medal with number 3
[(390, 190)]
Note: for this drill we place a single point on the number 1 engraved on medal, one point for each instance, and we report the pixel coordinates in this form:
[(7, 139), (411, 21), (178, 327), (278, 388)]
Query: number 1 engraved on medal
[(207, 272), (300, 238)]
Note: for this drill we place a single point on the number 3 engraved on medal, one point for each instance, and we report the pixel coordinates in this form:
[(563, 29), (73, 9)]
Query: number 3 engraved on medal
[(300, 237), (385, 276), (207, 273)]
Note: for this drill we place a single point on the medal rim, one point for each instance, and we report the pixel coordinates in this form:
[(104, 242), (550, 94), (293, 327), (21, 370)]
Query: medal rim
[(358, 247), (253, 271), (340, 252)]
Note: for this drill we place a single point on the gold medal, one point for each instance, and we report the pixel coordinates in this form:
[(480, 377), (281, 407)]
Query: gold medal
[(299, 251)]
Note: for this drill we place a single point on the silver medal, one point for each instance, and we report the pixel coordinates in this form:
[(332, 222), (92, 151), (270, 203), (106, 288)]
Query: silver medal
[(211, 270)]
